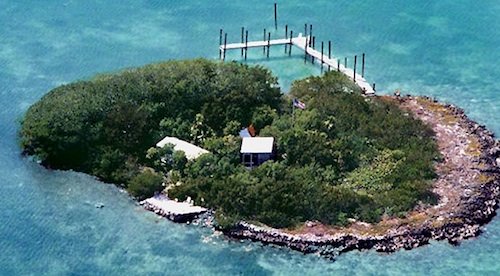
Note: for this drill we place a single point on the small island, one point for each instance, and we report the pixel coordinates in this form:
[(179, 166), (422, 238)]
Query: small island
[(345, 171)]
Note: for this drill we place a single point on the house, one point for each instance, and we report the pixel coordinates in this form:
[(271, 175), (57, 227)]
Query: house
[(191, 151), (245, 133), (248, 132), (256, 150)]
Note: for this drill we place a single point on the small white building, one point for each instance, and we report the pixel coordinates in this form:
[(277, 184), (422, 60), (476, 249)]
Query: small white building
[(191, 151), (256, 150)]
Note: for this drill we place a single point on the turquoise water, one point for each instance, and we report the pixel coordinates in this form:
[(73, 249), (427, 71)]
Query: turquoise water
[(49, 224)]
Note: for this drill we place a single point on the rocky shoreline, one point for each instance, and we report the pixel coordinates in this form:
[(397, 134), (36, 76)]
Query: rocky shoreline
[(468, 186)]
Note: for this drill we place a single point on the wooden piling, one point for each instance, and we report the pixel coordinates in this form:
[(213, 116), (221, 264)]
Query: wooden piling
[(313, 41), (363, 66), (264, 39), (305, 30), (329, 52), (268, 43), (275, 16), (354, 74), (246, 44), (305, 51), (290, 49), (220, 43), (322, 55), (310, 33), (329, 49), (225, 43), (242, 38), (286, 36), (338, 65), (374, 87), (345, 62)]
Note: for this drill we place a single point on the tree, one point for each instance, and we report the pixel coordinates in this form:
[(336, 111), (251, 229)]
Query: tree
[(263, 116), (145, 184)]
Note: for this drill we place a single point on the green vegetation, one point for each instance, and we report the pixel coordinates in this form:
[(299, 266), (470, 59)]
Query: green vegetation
[(145, 184), (105, 126), (345, 156)]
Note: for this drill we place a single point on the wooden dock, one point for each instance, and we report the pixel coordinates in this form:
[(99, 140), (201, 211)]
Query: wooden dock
[(171, 209), (303, 43)]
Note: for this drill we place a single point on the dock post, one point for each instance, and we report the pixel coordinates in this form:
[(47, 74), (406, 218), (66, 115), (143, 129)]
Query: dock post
[(329, 49), (305, 30), (290, 49), (286, 36), (338, 65), (313, 42), (310, 34), (246, 44), (329, 52), (363, 66), (220, 43), (345, 62), (268, 43), (305, 51), (321, 55), (373, 87), (275, 16), (242, 38), (264, 39), (354, 74), (225, 43)]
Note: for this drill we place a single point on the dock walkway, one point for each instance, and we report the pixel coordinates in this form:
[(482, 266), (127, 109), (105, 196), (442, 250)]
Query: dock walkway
[(302, 43), (171, 209)]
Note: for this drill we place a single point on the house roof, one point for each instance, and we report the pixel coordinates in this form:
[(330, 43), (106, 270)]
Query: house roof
[(191, 151), (245, 133), (257, 145)]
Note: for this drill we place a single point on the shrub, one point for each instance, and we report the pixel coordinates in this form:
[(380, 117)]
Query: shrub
[(145, 184)]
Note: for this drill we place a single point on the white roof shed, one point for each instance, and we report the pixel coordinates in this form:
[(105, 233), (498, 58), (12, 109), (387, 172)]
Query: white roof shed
[(257, 145), (191, 151)]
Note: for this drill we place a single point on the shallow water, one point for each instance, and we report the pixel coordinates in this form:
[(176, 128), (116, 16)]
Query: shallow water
[(446, 49)]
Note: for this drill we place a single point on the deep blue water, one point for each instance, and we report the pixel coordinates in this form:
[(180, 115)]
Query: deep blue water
[(49, 225)]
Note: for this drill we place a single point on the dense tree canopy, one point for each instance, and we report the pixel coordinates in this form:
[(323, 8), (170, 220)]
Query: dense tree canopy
[(104, 126), (344, 156)]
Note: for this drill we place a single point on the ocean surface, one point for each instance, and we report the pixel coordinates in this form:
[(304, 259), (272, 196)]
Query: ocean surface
[(49, 224)]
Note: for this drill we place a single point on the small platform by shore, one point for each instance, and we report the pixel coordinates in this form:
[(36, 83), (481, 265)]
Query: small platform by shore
[(171, 209)]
